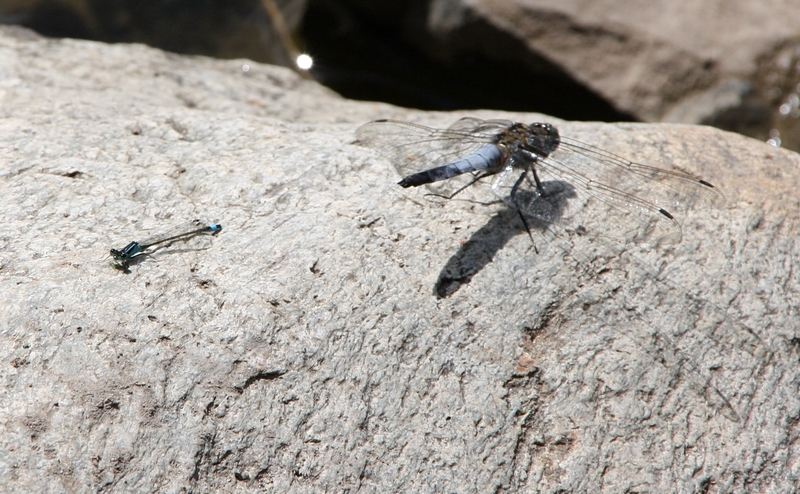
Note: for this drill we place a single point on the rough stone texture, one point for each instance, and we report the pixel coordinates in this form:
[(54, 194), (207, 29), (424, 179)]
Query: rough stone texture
[(305, 348)]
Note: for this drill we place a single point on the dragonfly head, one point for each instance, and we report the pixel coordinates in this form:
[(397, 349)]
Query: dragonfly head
[(541, 138), (127, 253)]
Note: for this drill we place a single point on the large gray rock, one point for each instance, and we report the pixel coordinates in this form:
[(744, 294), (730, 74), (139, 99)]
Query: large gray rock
[(342, 333), (657, 60), (689, 62)]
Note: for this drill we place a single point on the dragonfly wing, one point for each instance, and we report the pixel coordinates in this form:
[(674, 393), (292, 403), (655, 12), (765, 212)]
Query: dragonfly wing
[(478, 126), (674, 191), (578, 204), (602, 209), (413, 148)]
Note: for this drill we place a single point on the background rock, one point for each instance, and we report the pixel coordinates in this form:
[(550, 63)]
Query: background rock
[(310, 346), (223, 29), (736, 68)]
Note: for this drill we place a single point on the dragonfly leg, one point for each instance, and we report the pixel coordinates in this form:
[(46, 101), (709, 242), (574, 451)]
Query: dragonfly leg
[(528, 229), (513, 197), (538, 182), (472, 182), (530, 160), (515, 189)]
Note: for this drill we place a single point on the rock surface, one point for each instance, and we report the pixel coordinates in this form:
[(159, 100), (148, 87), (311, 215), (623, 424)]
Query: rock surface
[(342, 333)]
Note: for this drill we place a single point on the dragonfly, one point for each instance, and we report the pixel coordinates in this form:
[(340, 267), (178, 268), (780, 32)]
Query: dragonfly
[(543, 175), (558, 180)]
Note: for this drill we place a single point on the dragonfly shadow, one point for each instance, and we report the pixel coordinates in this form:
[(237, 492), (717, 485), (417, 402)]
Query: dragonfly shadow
[(482, 246)]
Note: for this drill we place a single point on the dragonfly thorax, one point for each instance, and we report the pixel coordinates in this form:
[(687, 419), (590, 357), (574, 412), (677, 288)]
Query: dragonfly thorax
[(538, 138)]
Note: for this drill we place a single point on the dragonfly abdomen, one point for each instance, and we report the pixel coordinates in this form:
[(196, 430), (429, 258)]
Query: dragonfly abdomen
[(486, 157)]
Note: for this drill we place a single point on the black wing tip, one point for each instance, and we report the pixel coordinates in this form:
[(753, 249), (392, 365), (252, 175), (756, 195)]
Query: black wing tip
[(381, 120), (707, 184), (666, 213)]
